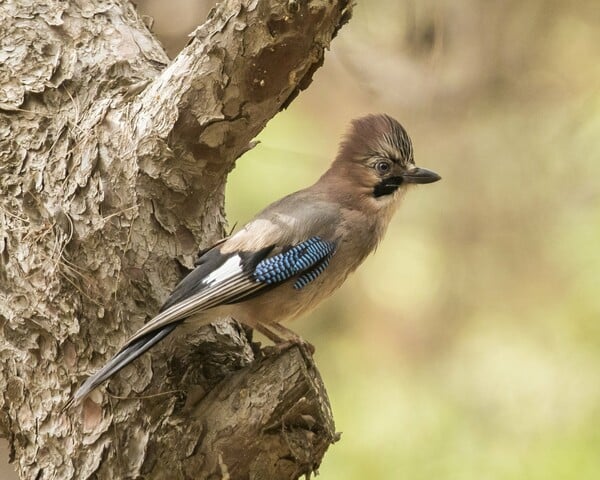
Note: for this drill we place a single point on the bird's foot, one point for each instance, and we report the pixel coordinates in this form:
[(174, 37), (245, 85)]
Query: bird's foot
[(307, 348), (284, 339)]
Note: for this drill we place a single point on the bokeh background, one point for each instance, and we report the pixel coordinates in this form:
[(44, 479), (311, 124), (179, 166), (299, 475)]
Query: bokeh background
[(468, 347)]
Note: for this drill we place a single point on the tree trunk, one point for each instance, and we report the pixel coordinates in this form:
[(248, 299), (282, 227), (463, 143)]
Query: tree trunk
[(113, 162)]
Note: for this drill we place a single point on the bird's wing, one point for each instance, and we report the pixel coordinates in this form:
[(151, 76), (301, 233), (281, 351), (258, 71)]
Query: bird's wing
[(220, 279), (225, 279)]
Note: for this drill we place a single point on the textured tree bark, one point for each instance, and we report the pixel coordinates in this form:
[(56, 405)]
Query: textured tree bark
[(113, 161)]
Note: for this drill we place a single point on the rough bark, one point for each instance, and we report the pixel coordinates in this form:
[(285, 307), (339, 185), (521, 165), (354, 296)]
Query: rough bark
[(113, 162)]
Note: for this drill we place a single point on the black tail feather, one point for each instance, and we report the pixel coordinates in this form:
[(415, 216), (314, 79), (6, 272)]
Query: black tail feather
[(126, 355)]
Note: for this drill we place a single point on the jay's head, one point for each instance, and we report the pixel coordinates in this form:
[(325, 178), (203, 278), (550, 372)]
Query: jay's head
[(376, 156)]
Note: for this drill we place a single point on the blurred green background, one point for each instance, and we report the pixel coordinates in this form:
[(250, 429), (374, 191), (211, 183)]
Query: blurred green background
[(468, 346)]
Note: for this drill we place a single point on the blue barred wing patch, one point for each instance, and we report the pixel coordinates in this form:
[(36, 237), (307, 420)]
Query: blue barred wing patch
[(309, 258), (312, 274)]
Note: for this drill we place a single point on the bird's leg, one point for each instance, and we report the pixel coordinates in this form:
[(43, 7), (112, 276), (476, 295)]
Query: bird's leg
[(270, 334), (293, 338), (285, 339)]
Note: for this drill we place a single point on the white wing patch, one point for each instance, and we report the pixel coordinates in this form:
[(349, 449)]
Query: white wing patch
[(231, 267)]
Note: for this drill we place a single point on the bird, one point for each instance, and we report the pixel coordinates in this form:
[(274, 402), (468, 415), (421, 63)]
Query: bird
[(294, 253)]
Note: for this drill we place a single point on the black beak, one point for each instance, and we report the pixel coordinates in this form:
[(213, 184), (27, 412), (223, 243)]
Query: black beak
[(420, 175)]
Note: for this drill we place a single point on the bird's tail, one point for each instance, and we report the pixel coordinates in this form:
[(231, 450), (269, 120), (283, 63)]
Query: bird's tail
[(125, 356)]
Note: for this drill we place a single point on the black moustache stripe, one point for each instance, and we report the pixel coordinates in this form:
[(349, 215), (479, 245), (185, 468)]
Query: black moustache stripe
[(387, 186)]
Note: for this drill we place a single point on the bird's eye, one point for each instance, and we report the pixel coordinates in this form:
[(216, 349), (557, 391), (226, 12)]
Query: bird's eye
[(382, 167)]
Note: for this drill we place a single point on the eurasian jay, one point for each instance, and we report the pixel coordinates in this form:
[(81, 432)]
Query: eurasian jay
[(295, 252)]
